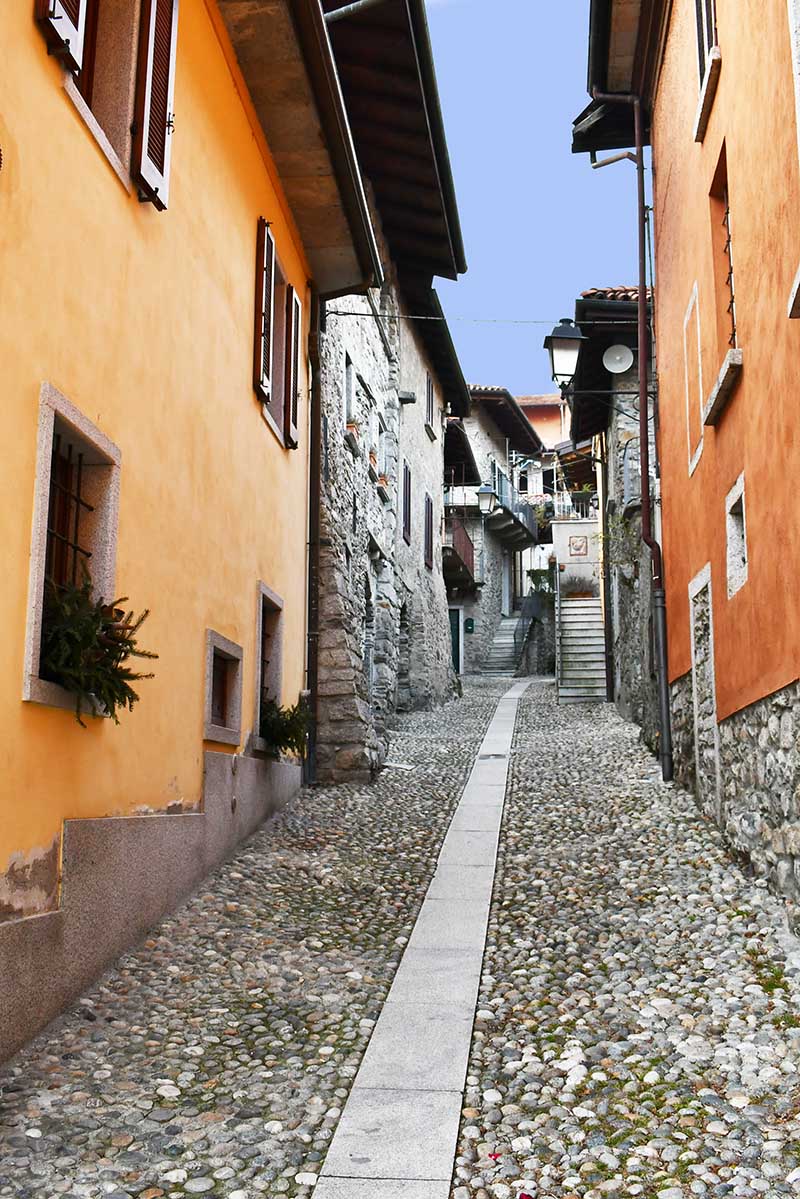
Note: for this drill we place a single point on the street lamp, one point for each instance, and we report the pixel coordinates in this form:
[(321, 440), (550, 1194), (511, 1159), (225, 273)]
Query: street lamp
[(564, 346), (487, 498)]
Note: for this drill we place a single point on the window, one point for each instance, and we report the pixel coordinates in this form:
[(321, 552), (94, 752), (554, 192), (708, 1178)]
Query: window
[(736, 537), (276, 342), (124, 93), (223, 706), (76, 505), (407, 502), (349, 390), (722, 248), (429, 532), (383, 449), (706, 32), (269, 643), (430, 409)]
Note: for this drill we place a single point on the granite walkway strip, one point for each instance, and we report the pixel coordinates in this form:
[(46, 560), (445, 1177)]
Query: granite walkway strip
[(399, 1125)]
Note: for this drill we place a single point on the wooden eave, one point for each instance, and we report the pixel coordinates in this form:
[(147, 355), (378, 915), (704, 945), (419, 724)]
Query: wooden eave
[(605, 323), (509, 418), (626, 46), (286, 59), (385, 64), (435, 336), (459, 456)]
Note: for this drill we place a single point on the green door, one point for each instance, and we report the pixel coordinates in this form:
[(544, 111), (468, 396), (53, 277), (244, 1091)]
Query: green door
[(455, 638)]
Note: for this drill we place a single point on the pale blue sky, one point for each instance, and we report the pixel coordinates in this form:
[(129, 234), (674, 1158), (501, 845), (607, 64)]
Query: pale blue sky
[(540, 226)]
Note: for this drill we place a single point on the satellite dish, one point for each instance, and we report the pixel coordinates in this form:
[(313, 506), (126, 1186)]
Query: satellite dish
[(618, 359)]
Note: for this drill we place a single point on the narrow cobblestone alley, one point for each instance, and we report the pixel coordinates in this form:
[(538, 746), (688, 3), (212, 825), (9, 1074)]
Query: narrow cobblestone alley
[(637, 1025)]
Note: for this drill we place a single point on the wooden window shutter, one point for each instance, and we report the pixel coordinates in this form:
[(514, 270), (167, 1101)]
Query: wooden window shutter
[(155, 85), (292, 377), (428, 531), (407, 502), (264, 306), (265, 299), (63, 23)]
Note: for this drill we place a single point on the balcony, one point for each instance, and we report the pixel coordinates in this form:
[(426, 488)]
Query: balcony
[(514, 519), (458, 554)]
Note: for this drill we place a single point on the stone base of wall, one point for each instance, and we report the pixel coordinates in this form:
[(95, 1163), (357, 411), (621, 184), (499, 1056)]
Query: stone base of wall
[(758, 789), (539, 657), (120, 876)]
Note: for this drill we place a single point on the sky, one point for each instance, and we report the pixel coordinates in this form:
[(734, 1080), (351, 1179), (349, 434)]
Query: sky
[(539, 225)]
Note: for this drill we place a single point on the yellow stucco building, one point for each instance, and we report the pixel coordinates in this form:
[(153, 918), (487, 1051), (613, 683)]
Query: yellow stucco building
[(159, 435)]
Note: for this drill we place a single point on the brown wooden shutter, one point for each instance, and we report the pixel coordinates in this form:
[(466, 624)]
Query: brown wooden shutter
[(265, 299), (63, 23), (155, 85), (428, 531), (407, 502), (292, 377)]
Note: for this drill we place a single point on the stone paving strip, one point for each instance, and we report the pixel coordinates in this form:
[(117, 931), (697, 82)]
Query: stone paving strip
[(408, 1091), (217, 1057), (638, 1022)]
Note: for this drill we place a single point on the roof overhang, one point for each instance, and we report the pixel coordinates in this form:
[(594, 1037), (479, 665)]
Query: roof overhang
[(385, 63), (435, 335), (459, 460), (577, 462), (509, 418), (626, 41), (604, 323), (286, 59)]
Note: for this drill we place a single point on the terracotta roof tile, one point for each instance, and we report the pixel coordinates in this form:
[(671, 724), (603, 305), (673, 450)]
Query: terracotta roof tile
[(630, 294)]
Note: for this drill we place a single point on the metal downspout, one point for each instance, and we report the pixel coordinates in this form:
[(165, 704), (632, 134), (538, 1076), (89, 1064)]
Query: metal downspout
[(609, 635), (314, 485), (659, 599)]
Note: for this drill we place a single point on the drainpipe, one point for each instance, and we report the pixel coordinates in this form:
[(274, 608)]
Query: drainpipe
[(659, 598), (609, 636), (314, 498)]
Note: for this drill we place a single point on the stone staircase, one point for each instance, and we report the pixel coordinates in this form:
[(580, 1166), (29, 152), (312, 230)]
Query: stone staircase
[(502, 656), (582, 668)]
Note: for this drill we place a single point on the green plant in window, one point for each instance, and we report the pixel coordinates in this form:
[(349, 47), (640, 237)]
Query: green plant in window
[(87, 646), (284, 729)]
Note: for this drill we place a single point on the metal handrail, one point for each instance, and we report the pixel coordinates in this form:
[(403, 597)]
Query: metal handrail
[(530, 611)]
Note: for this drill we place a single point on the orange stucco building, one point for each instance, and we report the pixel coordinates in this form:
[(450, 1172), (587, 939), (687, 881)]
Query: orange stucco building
[(159, 422), (718, 82)]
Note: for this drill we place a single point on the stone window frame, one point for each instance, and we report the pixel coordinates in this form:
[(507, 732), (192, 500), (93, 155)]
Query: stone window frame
[(101, 538), (700, 582), (229, 733), (265, 594), (736, 559), (694, 455), (793, 11)]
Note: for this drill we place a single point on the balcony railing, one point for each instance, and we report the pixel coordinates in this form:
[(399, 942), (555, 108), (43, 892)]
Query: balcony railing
[(456, 535), (458, 559), (509, 498)]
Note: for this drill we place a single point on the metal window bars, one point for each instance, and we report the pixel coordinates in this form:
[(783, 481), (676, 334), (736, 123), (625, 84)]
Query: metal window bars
[(64, 550), (729, 282)]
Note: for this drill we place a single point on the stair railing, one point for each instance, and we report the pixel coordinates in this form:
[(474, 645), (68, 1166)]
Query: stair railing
[(530, 610), (558, 627)]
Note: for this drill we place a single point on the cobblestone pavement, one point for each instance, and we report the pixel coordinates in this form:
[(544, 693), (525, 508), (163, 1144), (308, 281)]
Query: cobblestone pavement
[(638, 1024), (215, 1059)]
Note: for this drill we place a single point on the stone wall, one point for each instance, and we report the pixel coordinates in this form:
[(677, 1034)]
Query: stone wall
[(539, 658), (630, 568), (484, 605), (749, 769), (384, 631), (421, 588)]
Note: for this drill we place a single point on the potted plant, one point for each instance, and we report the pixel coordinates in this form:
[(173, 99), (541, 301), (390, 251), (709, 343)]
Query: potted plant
[(284, 729), (87, 646)]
